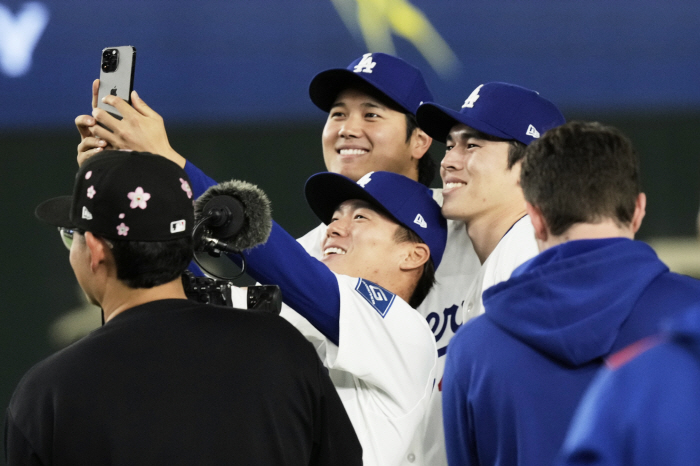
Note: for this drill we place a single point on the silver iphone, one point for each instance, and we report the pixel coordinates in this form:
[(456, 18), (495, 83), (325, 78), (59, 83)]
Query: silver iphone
[(116, 76)]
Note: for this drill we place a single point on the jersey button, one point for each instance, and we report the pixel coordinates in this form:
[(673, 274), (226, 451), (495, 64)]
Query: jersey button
[(411, 457)]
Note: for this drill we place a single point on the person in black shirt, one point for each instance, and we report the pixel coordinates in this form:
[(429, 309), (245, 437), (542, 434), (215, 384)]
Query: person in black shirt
[(166, 380)]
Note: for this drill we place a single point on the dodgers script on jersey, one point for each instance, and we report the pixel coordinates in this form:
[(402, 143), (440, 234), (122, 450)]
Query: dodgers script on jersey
[(384, 368), (441, 309)]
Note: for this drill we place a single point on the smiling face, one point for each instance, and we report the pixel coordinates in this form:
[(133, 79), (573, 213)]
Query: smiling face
[(363, 135), (360, 242), (477, 182)]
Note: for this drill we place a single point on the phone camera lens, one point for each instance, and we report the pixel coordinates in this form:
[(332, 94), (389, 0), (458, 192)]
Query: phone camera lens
[(110, 60)]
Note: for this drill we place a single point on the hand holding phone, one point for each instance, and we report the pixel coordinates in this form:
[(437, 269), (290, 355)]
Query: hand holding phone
[(140, 127)]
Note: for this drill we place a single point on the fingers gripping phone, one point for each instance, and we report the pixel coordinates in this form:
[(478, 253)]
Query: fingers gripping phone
[(116, 76)]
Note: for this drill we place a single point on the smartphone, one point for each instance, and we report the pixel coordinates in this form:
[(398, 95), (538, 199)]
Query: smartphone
[(116, 76)]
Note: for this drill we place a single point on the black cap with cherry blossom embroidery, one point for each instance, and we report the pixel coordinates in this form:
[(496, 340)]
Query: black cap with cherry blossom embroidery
[(133, 196)]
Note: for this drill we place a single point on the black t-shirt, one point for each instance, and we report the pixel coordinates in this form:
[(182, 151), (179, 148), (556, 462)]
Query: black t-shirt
[(174, 382)]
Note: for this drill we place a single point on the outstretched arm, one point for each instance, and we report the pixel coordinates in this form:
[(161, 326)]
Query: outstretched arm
[(307, 285)]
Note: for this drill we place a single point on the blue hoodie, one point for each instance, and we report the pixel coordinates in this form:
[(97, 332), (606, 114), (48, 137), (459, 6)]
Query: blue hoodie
[(646, 410), (515, 375)]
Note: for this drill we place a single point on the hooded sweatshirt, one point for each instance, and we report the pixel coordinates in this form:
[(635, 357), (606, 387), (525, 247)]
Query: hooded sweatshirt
[(515, 375), (655, 381)]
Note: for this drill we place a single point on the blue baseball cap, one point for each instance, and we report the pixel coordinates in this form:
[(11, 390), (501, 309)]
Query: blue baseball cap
[(407, 202), (400, 82), (502, 110)]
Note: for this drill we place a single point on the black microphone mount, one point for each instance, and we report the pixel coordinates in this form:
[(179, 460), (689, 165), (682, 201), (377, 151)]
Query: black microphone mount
[(222, 218)]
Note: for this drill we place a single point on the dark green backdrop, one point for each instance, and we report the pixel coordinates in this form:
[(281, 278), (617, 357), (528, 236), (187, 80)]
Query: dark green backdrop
[(37, 282)]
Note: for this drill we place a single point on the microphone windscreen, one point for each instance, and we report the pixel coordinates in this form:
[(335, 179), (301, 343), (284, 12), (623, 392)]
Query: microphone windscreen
[(257, 212)]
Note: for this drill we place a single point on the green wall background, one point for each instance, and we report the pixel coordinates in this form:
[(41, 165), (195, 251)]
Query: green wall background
[(38, 286)]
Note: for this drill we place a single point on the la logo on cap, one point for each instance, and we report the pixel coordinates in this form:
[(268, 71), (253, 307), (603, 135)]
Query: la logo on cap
[(366, 65), (473, 97), (365, 179)]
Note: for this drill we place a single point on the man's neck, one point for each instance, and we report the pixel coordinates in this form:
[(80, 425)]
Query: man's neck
[(604, 229), (485, 232), (119, 297)]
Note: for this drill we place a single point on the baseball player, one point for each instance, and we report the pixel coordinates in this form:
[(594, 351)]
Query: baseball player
[(486, 142), (371, 126), (385, 234)]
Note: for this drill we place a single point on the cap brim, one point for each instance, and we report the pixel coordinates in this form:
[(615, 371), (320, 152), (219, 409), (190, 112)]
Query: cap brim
[(325, 87), (55, 211), (326, 191), (437, 121)]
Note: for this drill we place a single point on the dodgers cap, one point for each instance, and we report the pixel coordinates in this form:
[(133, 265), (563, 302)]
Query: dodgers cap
[(407, 202), (402, 83), (498, 109), (135, 196)]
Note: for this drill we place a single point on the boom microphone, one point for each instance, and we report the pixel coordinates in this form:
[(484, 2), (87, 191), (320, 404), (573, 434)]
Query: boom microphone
[(235, 215)]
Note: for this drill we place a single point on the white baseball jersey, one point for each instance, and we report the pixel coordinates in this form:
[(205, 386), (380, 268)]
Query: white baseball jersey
[(454, 276), (517, 246), (384, 367)]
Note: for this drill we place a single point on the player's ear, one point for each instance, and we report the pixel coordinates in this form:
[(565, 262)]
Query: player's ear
[(420, 143), (640, 210), (416, 255), (538, 222)]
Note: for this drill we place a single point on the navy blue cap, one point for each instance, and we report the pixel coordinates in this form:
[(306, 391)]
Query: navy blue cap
[(407, 202), (133, 196), (402, 83), (502, 110)]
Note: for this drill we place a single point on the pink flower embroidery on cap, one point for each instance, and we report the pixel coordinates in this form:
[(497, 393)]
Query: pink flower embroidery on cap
[(122, 229), (186, 187), (138, 198), (88, 175), (91, 192), (121, 215)]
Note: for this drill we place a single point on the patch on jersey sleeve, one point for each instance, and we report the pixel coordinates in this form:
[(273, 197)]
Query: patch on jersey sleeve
[(379, 298)]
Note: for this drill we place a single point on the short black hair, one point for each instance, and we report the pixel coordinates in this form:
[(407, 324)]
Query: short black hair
[(145, 264), (427, 278), (582, 172)]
